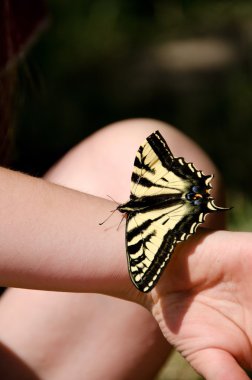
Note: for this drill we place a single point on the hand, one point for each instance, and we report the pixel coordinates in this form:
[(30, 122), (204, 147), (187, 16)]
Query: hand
[(203, 303)]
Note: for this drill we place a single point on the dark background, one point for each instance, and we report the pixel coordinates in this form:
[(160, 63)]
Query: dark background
[(185, 62)]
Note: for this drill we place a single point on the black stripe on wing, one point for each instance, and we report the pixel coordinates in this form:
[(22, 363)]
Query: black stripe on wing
[(141, 180), (139, 163), (160, 147)]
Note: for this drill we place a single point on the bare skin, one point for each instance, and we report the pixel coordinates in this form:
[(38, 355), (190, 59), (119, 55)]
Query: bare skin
[(204, 304), (200, 302)]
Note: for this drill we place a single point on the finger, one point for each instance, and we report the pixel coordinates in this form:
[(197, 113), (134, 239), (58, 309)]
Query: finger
[(216, 364)]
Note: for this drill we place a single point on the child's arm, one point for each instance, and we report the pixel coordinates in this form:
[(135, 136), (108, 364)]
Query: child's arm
[(50, 238)]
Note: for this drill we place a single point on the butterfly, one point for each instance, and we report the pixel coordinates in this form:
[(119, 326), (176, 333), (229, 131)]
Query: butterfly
[(169, 199)]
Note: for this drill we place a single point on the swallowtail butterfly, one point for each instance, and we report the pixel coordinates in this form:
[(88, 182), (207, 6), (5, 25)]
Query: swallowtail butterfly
[(169, 199)]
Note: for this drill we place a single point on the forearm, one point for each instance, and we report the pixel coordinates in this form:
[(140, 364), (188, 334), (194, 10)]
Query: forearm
[(50, 238)]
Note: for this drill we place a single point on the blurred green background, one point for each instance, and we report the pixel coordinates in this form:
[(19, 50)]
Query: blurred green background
[(185, 62)]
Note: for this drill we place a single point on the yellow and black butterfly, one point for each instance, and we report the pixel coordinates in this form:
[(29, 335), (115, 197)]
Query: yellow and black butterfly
[(169, 199)]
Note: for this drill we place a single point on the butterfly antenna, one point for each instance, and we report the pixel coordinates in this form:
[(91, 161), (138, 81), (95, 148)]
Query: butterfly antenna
[(108, 217), (112, 199)]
